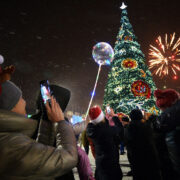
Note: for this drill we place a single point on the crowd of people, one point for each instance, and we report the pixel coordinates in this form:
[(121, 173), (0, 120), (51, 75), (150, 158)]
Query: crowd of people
[(45, 145)]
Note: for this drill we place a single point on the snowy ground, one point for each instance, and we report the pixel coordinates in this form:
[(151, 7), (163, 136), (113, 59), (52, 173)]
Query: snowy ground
[(123, 161)]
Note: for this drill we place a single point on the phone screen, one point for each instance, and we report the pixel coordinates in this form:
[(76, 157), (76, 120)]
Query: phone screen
[(45, 92), (108, 109)]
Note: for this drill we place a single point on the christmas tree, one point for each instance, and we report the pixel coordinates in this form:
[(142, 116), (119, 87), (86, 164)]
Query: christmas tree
[(130, 84)]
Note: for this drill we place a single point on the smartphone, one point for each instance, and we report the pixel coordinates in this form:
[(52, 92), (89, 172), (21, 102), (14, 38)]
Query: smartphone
[(45, 91), (108, 109)]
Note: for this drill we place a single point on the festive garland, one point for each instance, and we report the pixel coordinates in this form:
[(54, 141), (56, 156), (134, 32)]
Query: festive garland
[(129, 64), (140, 88)]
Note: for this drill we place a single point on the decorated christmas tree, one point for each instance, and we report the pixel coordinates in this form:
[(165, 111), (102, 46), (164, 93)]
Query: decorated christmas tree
[(130, 84)]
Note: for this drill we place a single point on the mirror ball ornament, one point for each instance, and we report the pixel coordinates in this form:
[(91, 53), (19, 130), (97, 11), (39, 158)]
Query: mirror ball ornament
[(103, 53)]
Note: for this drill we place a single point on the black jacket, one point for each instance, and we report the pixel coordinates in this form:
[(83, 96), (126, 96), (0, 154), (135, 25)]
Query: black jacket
[(170, 125), (105, 140), (142, 150)]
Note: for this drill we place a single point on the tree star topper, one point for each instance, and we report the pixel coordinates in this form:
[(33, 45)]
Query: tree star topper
[(123, 6)]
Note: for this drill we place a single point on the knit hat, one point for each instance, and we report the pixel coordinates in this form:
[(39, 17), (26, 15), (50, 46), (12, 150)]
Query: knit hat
[(9, 96), (96, 115), (166, 98)]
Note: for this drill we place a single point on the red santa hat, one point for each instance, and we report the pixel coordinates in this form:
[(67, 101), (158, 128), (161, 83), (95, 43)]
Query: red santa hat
[(96, 115), (166, 98)]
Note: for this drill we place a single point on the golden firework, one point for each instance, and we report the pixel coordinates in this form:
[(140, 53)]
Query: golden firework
[(165, 57)]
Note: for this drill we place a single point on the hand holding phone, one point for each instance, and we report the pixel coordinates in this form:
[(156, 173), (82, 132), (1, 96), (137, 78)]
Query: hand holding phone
[(108, 109), (54, 112)]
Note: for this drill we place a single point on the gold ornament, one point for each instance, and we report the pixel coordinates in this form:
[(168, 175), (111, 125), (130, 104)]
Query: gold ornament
[(143, 73), (127, 38), (154, 110)]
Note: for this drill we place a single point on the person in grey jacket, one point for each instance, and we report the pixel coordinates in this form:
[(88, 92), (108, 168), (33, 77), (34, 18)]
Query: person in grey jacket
[(46, 129), (21, 157)]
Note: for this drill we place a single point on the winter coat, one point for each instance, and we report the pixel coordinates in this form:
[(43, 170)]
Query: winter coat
[(46, 133), (22, 158), (142, 151), (104, 138), (163, 154), (170, 125), (84, 167)]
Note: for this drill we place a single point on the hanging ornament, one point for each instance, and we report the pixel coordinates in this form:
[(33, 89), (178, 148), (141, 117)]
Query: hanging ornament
[(129, 64), (122, 51), (133, 48), (140, 88), (154, 110), (127, 38), (143, 73), (117, 89)]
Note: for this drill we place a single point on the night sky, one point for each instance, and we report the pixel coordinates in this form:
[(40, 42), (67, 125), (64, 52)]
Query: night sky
[(53, 39)]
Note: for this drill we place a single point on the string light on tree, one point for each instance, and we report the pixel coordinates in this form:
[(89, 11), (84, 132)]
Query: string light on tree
[(129, 83), (122, 51), (117, 89)]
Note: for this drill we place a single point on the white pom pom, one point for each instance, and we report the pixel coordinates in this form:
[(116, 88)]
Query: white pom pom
[(1, 59)]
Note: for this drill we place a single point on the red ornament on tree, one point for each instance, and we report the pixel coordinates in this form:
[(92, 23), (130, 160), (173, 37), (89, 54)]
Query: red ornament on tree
[(129, 63), (140, 88)]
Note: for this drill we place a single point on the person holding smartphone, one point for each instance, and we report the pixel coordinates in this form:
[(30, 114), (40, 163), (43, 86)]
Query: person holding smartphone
[(21, 156), (46, 132), (104, 138)]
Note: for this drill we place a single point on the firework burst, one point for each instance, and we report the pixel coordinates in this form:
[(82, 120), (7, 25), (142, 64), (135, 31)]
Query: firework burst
[(164, 58)]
